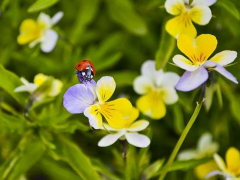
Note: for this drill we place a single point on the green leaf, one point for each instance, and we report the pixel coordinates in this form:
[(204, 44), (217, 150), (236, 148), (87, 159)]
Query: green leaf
[(152, 170), (57, 171), (86, 14), (72, 154), (165, 50), (11, 123), (9, 81), (131, 172), (40, 5), (22, 160), (184, 165), (229, 7), (123, 13), (178, 119)]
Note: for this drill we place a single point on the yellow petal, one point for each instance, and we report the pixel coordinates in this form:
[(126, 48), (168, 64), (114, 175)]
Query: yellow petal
[(133, 117), (105, 88), (199, 49), (117, 112), (94, 116), (152, 105), (201, 14), (233, 160), (29, 31), (204, 169), (175, 7), (220, 163), (205, 45), (181, 24), (39, 79)]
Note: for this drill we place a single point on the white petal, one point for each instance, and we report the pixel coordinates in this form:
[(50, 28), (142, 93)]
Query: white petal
[(24, 81), (109, 139), (187, 154), (49, 41), (148, 69), (201, 14), (57, 17), (169, 95), (203, 2), (26, 88), (184, 63), (94, 117), (225, 57), (138, 125), (142, 85), (169, 79), (219, 162), (137, 140), (175, 7), (204, 141), (213, 173), (45, 20)]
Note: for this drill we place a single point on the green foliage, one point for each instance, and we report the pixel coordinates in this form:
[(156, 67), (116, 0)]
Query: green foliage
[(40, 5), (46, 141)]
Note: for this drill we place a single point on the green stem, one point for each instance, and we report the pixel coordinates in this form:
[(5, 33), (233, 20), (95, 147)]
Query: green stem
[(181, 139)]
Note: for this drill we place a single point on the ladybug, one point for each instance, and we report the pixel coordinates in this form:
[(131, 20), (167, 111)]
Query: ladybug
[(86, 70)]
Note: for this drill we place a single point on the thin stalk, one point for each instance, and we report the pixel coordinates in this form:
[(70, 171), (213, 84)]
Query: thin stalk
[(183, 136)]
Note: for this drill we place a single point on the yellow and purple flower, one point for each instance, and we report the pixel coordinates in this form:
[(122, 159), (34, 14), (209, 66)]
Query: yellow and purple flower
[(197, 64), (91, 99), (128, 132), (198, 11)]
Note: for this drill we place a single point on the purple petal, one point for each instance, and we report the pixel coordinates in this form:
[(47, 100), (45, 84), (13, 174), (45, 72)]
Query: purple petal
[(77, 98), (225, 73), (217, 67), (192, 80)]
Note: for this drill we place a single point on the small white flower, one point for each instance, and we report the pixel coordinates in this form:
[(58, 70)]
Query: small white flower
[(205, 148), (40, 31), (129, 132)]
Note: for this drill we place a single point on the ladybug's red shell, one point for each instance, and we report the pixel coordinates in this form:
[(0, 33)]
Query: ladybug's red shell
[(84, 64)]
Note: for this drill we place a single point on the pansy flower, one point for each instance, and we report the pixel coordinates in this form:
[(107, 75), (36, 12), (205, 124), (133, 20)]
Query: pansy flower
[(230, 170), (198, 12), (128, 132), (156, 88), (198, 64), (205, 148), (40, 31), (92, 100), (54, 89)]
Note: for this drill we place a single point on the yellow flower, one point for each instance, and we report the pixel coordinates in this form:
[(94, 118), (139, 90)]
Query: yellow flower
[(116, 112), (156, 88), (198, 11), (39, 79), (128, 132), (230, 170), (39, 31)]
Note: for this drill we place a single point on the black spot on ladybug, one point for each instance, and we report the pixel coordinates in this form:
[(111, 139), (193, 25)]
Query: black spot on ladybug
[(79, 65), (84, 60)]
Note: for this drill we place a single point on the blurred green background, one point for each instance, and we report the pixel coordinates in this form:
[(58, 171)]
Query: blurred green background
[(118, 36)]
